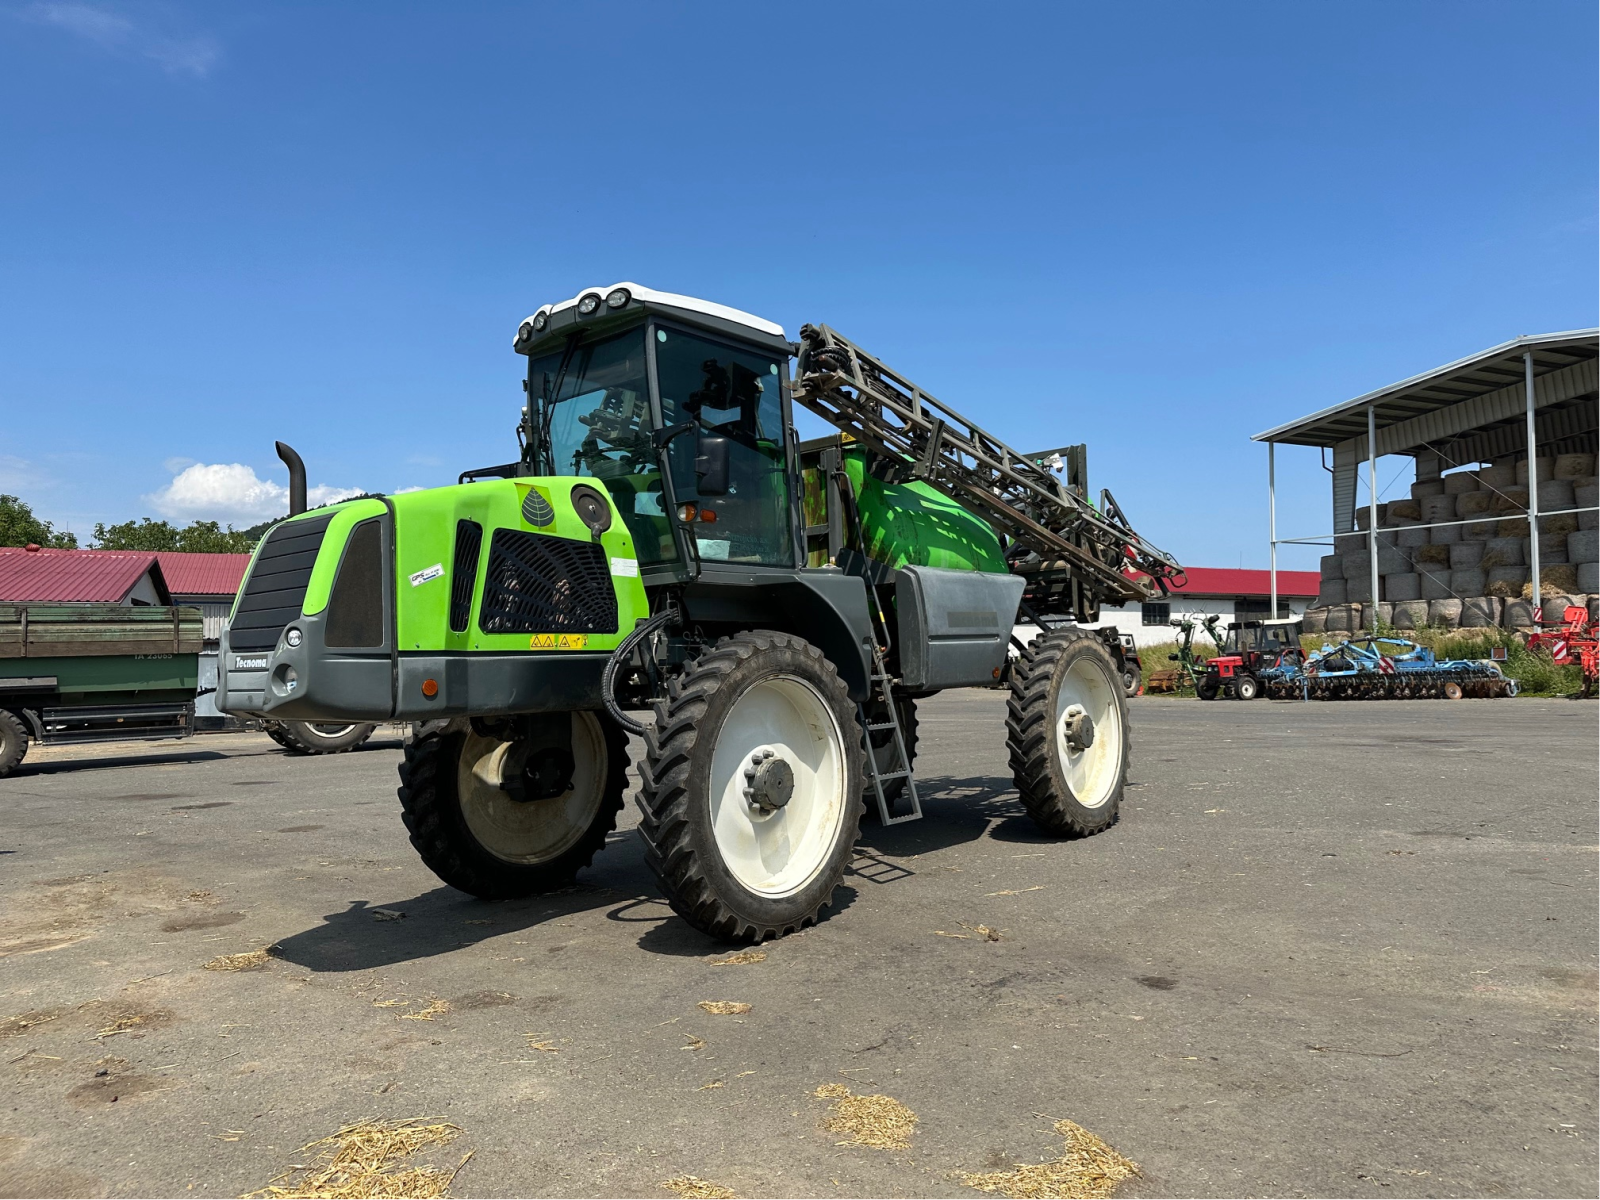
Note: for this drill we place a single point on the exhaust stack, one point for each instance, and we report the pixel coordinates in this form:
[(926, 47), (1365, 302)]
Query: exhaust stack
[(297, 478)]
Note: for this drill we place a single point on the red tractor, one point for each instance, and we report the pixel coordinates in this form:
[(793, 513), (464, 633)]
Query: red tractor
[(1575, 642), (1252, 649)]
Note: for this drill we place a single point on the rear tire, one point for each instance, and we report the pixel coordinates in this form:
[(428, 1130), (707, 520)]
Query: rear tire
[(319, 737), (1070, 787), (476, 837), (1206, 689), (734, 866), (13, 741)]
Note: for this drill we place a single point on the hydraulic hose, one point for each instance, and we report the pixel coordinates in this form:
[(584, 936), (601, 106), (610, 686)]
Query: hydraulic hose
[(623, 652)]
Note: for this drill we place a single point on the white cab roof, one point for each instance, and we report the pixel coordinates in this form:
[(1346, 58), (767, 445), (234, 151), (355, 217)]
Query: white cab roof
[(673, 299)]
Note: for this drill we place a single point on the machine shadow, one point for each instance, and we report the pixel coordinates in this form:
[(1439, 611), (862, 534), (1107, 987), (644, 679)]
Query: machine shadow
[(671, 935), (955, 811)]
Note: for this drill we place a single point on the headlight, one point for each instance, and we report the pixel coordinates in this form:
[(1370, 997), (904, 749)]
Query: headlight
[(540, 320), (525, 332), (591, 508), (618, 298), (292, 638), (588, 304)]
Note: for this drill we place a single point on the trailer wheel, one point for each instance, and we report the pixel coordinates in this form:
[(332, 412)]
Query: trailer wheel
[(1245, 687), (1452, 690), (1067, 729), (320, 737), (13, 741), (465, 801), (752, 787)]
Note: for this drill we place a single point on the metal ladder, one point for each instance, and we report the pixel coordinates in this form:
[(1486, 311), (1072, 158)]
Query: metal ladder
[(900, 768)]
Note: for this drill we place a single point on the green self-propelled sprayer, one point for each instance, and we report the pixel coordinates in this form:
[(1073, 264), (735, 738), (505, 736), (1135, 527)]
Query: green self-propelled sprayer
[(664, 548)]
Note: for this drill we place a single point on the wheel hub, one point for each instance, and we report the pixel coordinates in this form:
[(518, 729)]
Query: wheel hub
[(1078, 729), (769, 781)]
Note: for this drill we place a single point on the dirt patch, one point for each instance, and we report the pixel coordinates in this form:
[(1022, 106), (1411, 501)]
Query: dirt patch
[(198, 807), (154, 796), (73, 908), (476, 1000), (1160, 983), (202, 921), (114, 1019), (114, 1089), (301, 828)]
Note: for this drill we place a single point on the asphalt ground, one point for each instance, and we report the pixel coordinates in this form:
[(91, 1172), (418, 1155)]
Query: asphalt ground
[(1331, 949)]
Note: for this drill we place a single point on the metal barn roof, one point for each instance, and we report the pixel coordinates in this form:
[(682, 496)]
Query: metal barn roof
[(203, 574), (1443, 387), (42, 576)]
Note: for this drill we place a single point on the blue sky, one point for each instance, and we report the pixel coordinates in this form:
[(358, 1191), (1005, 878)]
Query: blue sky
[(1156, 228)]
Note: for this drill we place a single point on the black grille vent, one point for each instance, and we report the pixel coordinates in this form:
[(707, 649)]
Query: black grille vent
[(355, 610), (539, 584), (276, 588), (464, 573)]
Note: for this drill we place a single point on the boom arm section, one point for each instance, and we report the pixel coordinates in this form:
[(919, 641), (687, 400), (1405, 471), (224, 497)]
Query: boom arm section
[(1055, 532)]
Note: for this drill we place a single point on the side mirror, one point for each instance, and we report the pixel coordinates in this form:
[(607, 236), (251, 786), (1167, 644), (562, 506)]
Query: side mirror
[(711, 464)]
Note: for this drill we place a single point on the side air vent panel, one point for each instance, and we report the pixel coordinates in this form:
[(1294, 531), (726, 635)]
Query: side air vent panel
[(540, 584), (464, 573), (355, 609)]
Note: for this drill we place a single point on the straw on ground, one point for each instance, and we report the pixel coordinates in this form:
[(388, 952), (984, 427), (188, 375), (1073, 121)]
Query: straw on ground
[(742, 958), (692, 1187), (1088, 1169), (364, 1160), (725, 1008), (250, 960), (880, 1122)]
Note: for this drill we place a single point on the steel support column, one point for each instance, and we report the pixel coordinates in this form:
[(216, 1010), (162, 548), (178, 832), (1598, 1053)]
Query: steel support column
[(1533, 485), (1372, 509), (1272, 525)]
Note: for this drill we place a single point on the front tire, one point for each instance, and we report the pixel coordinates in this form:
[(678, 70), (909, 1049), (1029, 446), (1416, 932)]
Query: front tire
[(1245, 687), (752, 787), (1067, 729), (490, 841), (320, 737)]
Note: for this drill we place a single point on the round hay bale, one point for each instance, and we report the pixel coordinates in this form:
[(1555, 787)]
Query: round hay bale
[(1583, 546), (1348, 543), (1340, 619), (1503, 552), (1404, 586), (1460, 483), (1505, 582), (1438, 508), (1358, 591), (1444, 613), (1558, 526), (1466, 554), (1517, 614), (1364, 516), (1388, 537), (1437, 555), (1479, 531), (1468, 581), (1556, 579), (1551, 551), (1332, 566), (1392, 562), (1472, 504), (1542, 469), (1589, 520), (1331, 592), (1435, 584), (1557, 494), (1555, 605), (1427, 487), (1410, 614), (1444, 535), (1573, 466), (1511, 500), (1315, 620), (1586, 495), (1500, 475), (1404, 510), (1412, 538), (1507, 527), (1594, 610), (1589, 578), (1383, 613), (1480, 612), (1356, 566)]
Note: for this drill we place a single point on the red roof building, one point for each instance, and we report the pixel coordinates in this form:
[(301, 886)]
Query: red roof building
[(210, 575), (31, 575)]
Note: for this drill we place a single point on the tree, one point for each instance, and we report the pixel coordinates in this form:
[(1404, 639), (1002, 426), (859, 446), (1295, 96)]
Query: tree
[(18, 527), (201, 537)]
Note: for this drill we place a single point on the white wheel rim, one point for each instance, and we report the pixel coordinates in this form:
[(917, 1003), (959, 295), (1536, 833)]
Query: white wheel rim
[(529, 832), (1091, 773), (776, 854), (325, 730)]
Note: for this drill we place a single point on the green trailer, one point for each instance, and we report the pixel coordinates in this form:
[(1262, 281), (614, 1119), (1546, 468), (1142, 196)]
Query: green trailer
[(95, 673)]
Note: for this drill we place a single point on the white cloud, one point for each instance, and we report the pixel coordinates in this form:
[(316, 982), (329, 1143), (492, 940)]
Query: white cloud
[(194, 55), (232, 492)]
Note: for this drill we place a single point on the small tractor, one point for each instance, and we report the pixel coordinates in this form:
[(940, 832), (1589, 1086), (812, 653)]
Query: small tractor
[(664, 545), (1252, 653)]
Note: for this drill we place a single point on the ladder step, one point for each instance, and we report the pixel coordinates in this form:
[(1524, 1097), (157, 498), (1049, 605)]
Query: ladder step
[(884, 725), (892, 774)]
